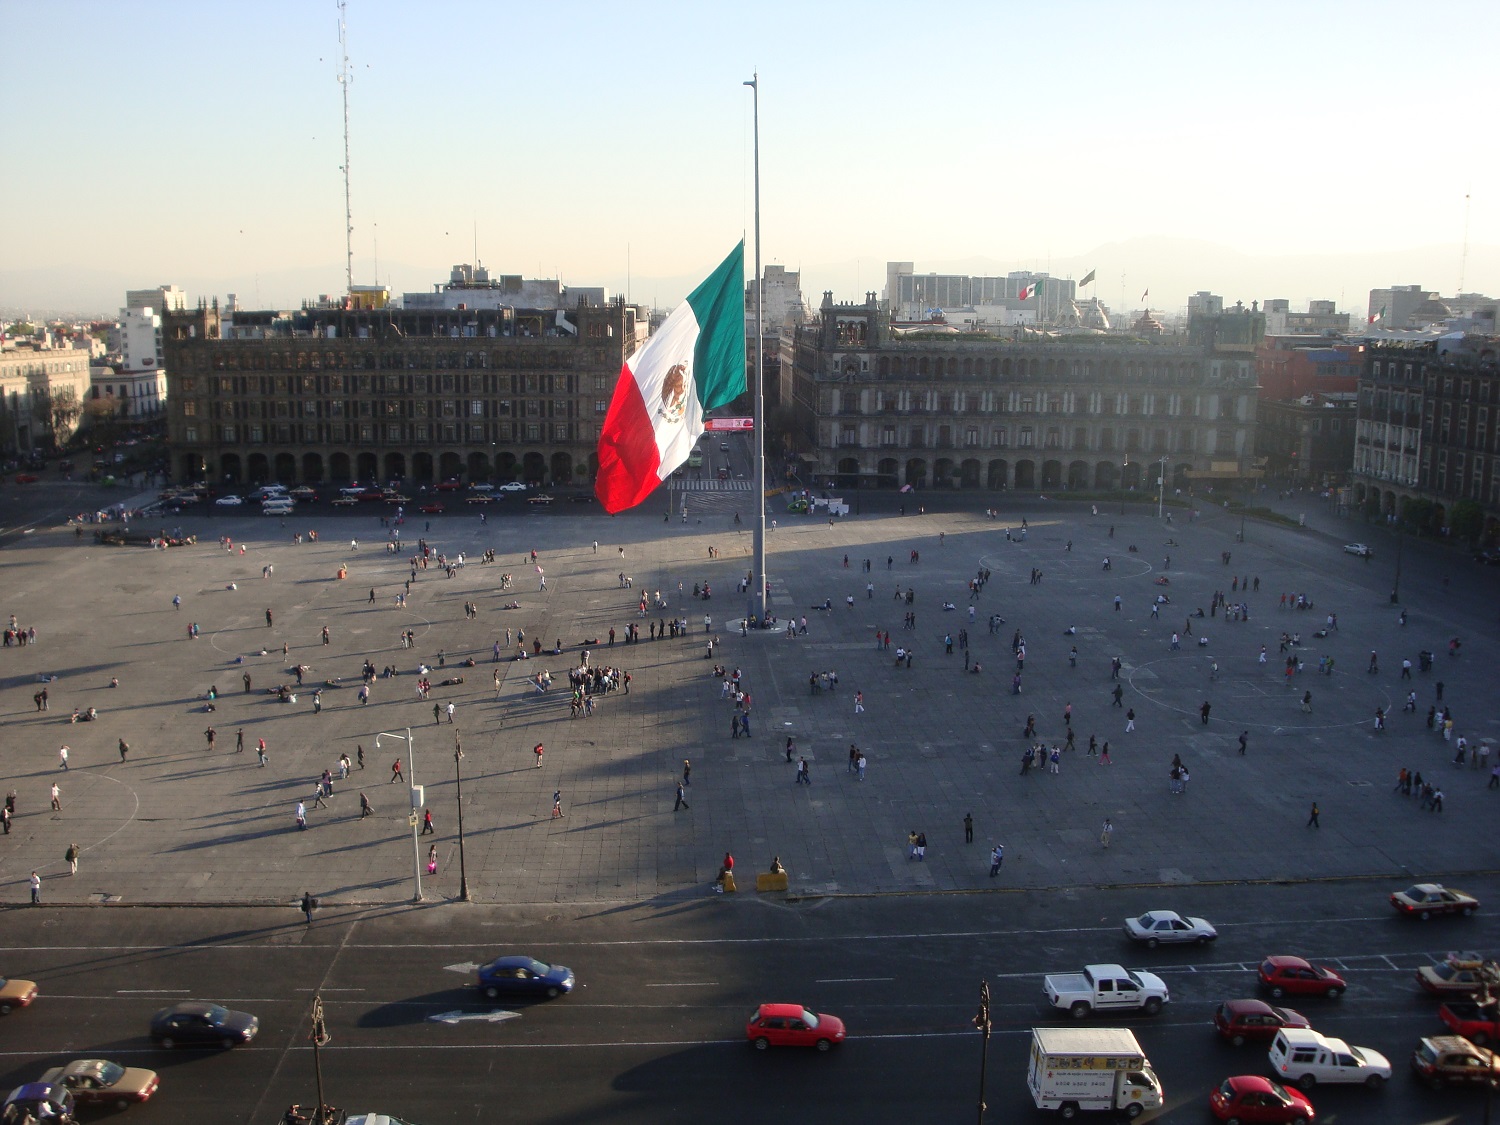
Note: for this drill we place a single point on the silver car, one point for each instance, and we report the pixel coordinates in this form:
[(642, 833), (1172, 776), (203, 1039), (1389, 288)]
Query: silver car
[(1155, 927)]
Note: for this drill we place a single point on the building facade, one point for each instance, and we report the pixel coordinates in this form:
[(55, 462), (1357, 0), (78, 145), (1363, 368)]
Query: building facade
[(42, 394), (1034, 297), (1307, 441), (1290, 367), (1027, 411), (338, 393), (1429, 429)]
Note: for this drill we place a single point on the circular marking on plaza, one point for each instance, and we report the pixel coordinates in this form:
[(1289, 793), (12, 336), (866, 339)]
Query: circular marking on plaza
[(1262, 694)]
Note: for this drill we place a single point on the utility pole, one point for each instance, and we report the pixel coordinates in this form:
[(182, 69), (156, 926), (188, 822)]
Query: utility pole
[(758, 472), (318, 1033), (982, 1022), (345, 78), (458, 773)]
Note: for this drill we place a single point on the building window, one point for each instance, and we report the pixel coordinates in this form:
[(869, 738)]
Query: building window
[(366, 432), (559, 431), (476, 408), (998, 438), (601, 406), (450, 433), (476, 431), (888, 436), (971, 437), (393, 432), (419, 384), (310, 409), (230, 435), (1054, 438), (1026, 437), (848, 436), (533, 431), (257, 435), (190, 434), (189, 409)]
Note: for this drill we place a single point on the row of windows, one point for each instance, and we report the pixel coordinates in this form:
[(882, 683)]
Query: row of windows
[(260, 359), (392, 408), (914, 366), (418, 433), (530, 382), (848, 402), (1027, 437)]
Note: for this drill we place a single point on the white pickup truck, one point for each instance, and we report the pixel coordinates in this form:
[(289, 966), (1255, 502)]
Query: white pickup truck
[(1106, 988)]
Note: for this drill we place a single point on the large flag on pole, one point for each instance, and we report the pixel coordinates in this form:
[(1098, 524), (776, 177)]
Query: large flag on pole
[(694, 362), (1030, 290), (1088, 277)]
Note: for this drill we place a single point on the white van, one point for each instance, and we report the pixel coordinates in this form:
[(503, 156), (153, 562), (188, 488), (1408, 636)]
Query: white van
[(278, 506)]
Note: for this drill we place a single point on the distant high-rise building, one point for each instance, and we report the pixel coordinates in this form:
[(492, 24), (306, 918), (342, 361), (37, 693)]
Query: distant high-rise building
[(1321, 318), (1205, 303), (164, 298), (1393, 307), (1033, 297), (135, 383), (784, 310)]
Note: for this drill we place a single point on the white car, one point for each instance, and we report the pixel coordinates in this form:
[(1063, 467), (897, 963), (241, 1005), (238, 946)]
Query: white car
[(1300, 1055), (1359, 549), (1157, 926), (229, 501), (513, 486), (481, 488)]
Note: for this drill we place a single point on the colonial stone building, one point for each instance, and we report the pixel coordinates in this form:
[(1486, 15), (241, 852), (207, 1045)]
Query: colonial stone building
[(338, 392), (42, 392), (1429, 428), (1034, 411)]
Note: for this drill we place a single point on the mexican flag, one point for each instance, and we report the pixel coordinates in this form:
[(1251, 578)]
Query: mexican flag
[(1030, 290), (694, 362), (1378, 316)]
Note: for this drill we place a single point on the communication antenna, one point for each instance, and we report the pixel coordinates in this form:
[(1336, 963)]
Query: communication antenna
[(1463, 261), (345, 78)]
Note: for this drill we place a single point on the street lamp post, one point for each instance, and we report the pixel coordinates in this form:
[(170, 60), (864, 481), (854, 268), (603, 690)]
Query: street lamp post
[(1396, 586), (982, 1022), (458, 773), (415, 792), (1161, 488), (318, 1033), (1123, 468)]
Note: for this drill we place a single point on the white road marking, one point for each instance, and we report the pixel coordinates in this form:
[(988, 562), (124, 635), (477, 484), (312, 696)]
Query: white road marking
[(688, 984), (463, 967), (850, 980), (499, 1015)]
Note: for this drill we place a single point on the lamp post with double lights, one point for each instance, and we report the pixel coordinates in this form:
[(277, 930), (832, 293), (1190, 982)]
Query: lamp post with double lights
[(1161, 487), (982, 1022), (458, 774), (1123, 468)]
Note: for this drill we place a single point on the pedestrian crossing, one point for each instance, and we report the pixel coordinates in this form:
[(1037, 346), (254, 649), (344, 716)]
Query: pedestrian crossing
[(712, 486)]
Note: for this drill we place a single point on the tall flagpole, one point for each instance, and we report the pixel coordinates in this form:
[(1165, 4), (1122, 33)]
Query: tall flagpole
[(758, 473)]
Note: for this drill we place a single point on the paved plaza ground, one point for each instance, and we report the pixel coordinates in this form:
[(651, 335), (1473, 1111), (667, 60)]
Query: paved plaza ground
[(177, 823)]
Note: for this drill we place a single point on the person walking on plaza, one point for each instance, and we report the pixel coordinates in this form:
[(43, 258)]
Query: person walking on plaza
[(681, 801), (1312, 820), (859, 767), (427, 823), (210, 735), (1130, 720), (71, 855), (1106, 834), (396, 774), (450, 714), (538, 750), (56, 798), (803, 777), (364, 807), (301, 815), (1244, 741), (556, 804), (437, 713), (1203, 712), (687, 771), (36, 889), (307, 906), (62, 753), (997, 857), (968, 828)]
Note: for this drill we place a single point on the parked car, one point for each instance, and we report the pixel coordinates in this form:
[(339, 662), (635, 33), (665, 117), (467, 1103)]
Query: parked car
[(1426, 899), (792, 1025), (432, 508), (230, 501), (1251, 1098), (304, 494), (524, 976), (541, 499), (1360, 549), (581, 498), (1462, 974), (482, 498), (1239, 1020), (482, 486), (103, 1083), (25, 478), (1157, 926), (513, 486), (346, 501), (1446, 1060), (1307, 1058), (452, 484), (1292, 976), (1488, 558), (194, 1022)]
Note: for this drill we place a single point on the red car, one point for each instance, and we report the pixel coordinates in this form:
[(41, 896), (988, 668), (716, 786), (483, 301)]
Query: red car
[(792, 1025), (432, 508), (25, 478), (1251, 1098), (450, 485), (1282, 976), (1239, 1020)]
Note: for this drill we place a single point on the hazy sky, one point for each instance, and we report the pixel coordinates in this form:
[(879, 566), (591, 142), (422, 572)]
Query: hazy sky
[(200, 142)]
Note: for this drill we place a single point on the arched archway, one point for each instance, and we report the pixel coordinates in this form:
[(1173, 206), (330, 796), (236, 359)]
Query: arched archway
[(1106, 476), (189, 468), (450, 464), (968, 473), (942, 473), (1026, 474), (312, 468), (593, 467), (479, 468), (562, 469), (421, 467), (505, 467), (888, 473), (231, 471), (1130, 475), (533, 468), (338, 466), (998, 476), (395, 466), (1078, 475), (847, 474), (286, 468), (257, 468), (1180, 480), (366, 470), (1051, 474), (916, 472)]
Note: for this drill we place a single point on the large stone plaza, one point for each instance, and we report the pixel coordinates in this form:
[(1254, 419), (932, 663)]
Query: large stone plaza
[(178, 823)]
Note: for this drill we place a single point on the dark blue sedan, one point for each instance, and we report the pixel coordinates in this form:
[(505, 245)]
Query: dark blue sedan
[(524, 976)]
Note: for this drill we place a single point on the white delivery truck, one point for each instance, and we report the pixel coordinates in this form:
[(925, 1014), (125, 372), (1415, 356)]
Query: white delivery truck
[(1074, 1069)]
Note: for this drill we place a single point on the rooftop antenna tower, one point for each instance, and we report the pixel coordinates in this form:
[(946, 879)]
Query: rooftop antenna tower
[(344, 79), (1463, 261)]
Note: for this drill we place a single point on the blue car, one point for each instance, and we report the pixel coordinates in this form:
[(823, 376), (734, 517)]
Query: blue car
[(38, 1101), (524, 976)]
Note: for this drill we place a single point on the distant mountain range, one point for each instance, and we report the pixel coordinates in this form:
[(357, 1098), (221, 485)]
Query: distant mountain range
[(1171, 268)]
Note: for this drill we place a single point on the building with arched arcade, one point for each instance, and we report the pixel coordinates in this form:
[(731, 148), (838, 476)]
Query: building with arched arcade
[(337, 393), (1033, 411)]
